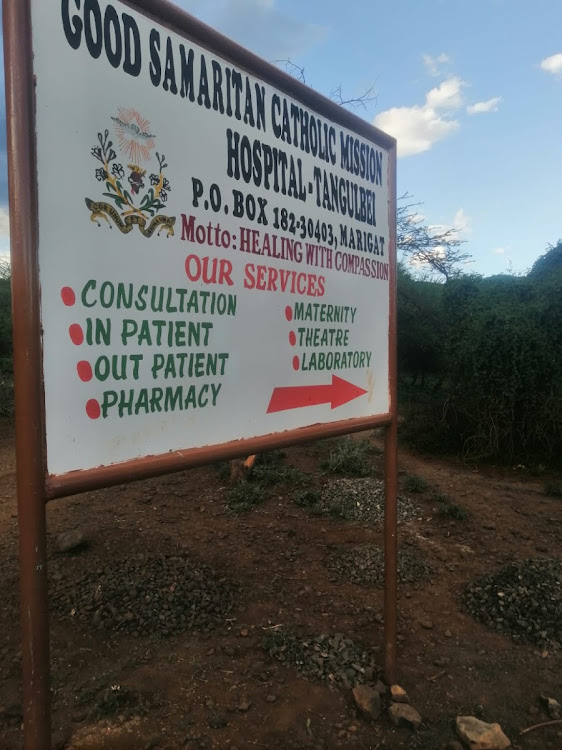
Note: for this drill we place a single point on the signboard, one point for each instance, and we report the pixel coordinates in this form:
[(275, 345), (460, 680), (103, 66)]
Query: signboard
[(214, 251), (203, 264)]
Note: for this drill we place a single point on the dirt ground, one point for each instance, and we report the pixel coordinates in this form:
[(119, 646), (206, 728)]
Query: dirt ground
[(221, 689)]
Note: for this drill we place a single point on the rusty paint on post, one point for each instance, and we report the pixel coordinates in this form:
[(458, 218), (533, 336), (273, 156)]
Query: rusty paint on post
[(27, 375), (391, 455)]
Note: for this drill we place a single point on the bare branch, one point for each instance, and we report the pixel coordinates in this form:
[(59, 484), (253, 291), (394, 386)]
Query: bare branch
[(292, 69), (355, 102)]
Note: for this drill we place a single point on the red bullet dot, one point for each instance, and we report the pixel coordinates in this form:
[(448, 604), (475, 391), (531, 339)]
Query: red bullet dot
[(289, 313), (84, 371), (295, 363), (76, 334), (68, 296), (93, 409), (292, 338)]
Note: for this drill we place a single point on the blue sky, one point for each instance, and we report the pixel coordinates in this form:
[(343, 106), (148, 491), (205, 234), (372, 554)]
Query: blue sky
[(472, 89)]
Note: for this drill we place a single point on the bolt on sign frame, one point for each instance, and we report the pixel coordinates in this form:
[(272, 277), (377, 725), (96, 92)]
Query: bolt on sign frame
[(286, 198)]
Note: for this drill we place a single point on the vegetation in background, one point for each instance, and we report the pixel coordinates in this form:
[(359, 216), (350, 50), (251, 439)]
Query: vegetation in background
[(480, 362)]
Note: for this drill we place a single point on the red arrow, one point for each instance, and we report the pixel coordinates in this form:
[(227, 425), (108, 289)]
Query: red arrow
[(337, 393)]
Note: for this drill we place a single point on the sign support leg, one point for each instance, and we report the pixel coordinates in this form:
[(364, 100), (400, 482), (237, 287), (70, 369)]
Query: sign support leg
[(30, 451), (34, 614), (390, 553)]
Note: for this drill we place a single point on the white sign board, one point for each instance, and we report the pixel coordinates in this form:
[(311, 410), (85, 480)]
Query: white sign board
[(213, 253)]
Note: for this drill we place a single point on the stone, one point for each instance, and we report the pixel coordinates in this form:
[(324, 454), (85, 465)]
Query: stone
[(427, 624), (553, 708), (398, 694), (404, 715), (478, 735), (368, 700), (271, 698), (69, 541)]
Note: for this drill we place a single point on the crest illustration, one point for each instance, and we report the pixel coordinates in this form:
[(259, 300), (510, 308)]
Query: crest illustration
[(138, 199)]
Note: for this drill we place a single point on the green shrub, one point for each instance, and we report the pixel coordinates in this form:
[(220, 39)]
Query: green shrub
[(413, 483), (272, 473), (306, 498), (448, 509), (350, 457), (245, 495)]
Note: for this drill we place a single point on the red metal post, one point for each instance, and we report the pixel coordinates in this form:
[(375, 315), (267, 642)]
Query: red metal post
[(391, 456), (30, 452)]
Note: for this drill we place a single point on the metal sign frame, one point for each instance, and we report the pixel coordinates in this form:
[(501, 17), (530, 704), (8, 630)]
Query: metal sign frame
[(34, 486)]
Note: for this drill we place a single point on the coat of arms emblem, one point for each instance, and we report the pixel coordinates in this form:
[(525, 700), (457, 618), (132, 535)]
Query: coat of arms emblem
[(136, 195)]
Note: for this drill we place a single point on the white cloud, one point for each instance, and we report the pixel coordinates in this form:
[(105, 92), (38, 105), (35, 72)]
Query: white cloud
[(460, 225), (4, 233), (553, 64), (461, 222), (434, 65), (418, 127), (499, 250), (490, 105), (4, 223)]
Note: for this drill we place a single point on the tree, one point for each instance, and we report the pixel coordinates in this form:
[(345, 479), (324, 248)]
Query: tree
[(438, 251)]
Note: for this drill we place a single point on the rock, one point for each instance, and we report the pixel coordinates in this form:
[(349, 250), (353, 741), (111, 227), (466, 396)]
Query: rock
[(271, 698), (403, 715), (244, 706), (427, 624), (368, 700), (553, 708), (69, 541), (478, 735), (398, 694)]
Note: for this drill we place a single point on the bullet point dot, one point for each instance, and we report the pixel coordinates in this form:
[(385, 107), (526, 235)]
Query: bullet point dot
[(292, 338), (68, 296), (296, 363), (84, 371), (289, 313), (93, 409), (76, 334)]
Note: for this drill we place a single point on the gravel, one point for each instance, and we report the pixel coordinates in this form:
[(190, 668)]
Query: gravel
[(361, 500), (332, 658), (144, 595), (523, 600), (364, 565)]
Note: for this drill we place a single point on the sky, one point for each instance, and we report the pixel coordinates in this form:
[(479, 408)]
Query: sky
[(472, 90)]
